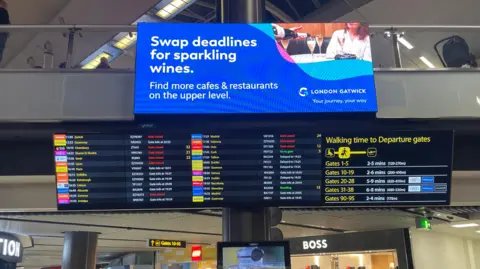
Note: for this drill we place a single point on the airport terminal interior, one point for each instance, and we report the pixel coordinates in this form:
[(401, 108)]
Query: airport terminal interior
[(237, 134)]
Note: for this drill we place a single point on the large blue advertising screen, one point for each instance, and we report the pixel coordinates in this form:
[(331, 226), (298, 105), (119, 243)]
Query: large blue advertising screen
[(253, 68)]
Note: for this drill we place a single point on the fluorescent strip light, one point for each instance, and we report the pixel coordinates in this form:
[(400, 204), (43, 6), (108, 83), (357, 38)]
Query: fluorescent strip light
[(166, 12), (427, 62), (478, 232), (466, 225), (126, 41), (96, 61), (163, 14), (178, 3), (172, 9), (404, 42)]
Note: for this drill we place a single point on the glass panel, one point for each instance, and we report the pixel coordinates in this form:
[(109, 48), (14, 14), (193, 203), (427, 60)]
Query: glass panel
[(460, 46), (357, 260), (45, 47)]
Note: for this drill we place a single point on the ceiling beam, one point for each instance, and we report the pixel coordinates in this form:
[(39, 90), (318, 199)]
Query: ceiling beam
[(292, 7), (192, 14), (94, 225), (334, 9), (286, 223), (316, 3), (210, 16), (277, 12), (204, 4)]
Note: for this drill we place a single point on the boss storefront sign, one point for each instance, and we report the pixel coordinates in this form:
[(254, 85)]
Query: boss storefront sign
[(11, 249), (315, 244)]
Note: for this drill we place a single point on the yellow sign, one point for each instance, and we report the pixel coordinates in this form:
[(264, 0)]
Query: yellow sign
[(346, 152), (160, 243)]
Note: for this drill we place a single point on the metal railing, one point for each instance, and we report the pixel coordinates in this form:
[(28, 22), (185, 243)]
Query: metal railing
[(399, 34), (72, 46)]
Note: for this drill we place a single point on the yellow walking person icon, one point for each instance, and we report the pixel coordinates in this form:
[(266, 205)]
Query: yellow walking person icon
[(344, 152)]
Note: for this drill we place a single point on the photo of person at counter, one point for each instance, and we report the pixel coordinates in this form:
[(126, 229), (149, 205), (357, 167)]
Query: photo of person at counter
[(352, 41), (317, 42)]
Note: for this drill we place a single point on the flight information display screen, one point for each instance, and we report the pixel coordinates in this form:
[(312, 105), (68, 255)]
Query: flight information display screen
[(163, 170)]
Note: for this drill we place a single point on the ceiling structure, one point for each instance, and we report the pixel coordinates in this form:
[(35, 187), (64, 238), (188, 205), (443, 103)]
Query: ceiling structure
[(27, 12), (22, 45), (394, 14), (122, 12), (468, 232), (203, 11)]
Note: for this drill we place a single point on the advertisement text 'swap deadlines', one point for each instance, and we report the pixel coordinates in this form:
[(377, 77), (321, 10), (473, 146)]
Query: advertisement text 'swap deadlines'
[(206, 55)]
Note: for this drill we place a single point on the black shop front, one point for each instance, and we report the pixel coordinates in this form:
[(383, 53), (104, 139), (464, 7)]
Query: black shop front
[(387, 249)]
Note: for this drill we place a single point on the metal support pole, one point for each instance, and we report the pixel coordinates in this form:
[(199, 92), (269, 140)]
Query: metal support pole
[(79, 250), (396, 49), (252, 224), (244, 225), (71, 40), (243, 11)]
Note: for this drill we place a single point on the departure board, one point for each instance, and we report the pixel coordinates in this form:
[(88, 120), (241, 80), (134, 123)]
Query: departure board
[(404, 168), (168, 170)]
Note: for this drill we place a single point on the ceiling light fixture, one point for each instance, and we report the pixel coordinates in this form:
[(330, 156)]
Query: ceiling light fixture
[(179, 3), (172, 9), (427, 62), (465, 225), (96, 61), (404, 42), (126, 41)]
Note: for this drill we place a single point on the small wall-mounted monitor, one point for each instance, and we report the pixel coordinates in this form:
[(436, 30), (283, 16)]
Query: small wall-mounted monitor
[(274, 255)]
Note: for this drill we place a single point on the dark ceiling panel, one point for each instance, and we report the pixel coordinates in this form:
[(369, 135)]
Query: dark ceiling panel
[(300, 7), (296, 9), (334, 9)]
